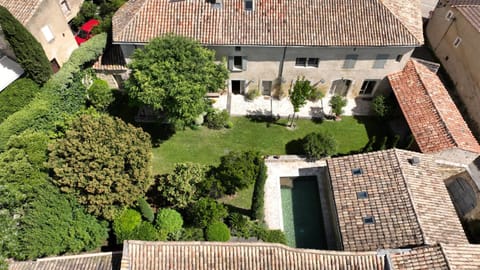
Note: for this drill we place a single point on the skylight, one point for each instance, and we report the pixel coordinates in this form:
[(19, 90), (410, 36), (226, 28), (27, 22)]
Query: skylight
[(357, 171), (362, 195), (369, 220)]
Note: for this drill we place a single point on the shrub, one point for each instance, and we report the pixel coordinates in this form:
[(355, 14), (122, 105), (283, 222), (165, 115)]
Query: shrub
[(169, 221), (258, 192), (241, 225), (252, 93), (87, 11), (57, 98), (337, 103), (369, 146), (317, 145), (100, 95), (207, 211), (238, 170), (383, 143), (395, 140), (316, 94), (145, 209), (381, 106), (217, 119), (191, 234), (125, 224), (145, 231), (274, 236), (16, 96), (218, 232), (27, 49)]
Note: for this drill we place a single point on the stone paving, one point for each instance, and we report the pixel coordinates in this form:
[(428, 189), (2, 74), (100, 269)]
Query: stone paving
[(264, 105)]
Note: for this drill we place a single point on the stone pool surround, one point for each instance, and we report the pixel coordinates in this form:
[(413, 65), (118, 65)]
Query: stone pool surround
[(294, 166)]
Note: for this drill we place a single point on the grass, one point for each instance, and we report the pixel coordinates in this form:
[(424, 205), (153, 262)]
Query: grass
[(206, 146)]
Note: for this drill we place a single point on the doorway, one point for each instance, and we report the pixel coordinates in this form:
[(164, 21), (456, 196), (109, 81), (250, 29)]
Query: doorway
[(340, 87), (238, 86)]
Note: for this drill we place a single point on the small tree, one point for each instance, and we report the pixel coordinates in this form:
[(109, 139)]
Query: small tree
[(381, 107), (173, 74), (317, 145), (238, 170), (218, 232), (302, 90), (207, 211), (180, 188), (337, 103), (169, 222), (259, 192), (103, 162), (125, 224), (146, 210), (100, 95), (27, 49)]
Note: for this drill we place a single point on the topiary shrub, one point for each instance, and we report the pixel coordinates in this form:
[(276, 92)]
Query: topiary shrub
[(337, 103), (16, 96), (30, 54), (169, 222), (257, 208), (238, 170), (145, 231), (145, 209), (217, 119), (125, 224), (317, 145), (100, 95), (217, 232), (207, 211), (191, 234)]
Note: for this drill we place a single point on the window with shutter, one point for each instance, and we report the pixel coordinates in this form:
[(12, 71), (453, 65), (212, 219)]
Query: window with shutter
[(380, 61), (350, 61)]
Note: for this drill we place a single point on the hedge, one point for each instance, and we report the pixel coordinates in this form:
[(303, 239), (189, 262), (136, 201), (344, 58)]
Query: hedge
[(16, 96), (259, 192), (63, 94)]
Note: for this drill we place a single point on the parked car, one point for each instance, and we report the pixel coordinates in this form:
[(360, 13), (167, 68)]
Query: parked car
[(85, 31)]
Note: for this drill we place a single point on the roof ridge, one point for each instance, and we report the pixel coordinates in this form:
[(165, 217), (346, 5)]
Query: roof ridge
[(397, 17), (410, 196), (444, 255), (416, 65)]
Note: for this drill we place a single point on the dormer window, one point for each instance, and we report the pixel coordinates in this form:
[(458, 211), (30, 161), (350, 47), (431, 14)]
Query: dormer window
[(248, 5)]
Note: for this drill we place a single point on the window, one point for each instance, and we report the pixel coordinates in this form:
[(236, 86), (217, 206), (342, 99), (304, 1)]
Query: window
[(449, 15), (362, 195), (248, 5), (47, 33), (65, 7), (350, 61), (367, 87), (399, 58), (380, 61), (266, 88), (237, 63), (306, 62), (369, 220), (238, 48), (457, 42)]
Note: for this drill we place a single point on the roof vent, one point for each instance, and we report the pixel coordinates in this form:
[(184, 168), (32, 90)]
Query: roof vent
[(357, 171), (414, 161), (362, 195), (249, 5), (369, 220)]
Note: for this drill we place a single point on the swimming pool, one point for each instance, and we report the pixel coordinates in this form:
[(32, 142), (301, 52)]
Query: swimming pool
[(302, 212)]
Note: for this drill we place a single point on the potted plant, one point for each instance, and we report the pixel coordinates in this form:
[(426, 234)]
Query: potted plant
[(337, 103)]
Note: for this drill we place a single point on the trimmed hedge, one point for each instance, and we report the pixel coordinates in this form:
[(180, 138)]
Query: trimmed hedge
[(63, 94), (217, 232), (100, 95), (317, 145), (125, 224), (16, 96), (259, 192), (27, 49)]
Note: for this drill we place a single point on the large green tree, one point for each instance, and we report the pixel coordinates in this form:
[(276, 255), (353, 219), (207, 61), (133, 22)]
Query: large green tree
[(104, 162), (173, 74), (27, 49), (238, 170)]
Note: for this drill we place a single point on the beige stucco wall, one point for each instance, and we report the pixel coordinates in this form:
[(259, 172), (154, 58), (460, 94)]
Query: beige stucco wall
[(427, 7), (74, 6), (461, 63), (49, 13)]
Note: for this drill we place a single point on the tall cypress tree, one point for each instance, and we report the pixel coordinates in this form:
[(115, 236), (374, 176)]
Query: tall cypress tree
[(29, 52)]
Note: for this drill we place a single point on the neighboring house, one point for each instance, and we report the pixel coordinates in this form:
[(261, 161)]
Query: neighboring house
[(427, 7), (47, 20), (454, 34), (434, 120), (346, 49), (9, 69)]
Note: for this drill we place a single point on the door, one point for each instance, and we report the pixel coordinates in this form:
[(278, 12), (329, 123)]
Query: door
[(238, 87), (266, 88), (340, 87)]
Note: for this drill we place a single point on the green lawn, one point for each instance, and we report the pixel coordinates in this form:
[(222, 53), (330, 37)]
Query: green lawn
[(206, 146)]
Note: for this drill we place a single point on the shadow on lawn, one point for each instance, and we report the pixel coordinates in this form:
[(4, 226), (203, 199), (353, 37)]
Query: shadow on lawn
[(235, 209)]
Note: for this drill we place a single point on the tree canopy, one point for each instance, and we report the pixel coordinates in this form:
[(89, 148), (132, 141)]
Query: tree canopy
[(238, 170), (27, 49), (173, 74), (103, 161)]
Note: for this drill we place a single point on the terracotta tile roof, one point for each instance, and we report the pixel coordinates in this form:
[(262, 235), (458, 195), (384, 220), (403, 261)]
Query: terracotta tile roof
[(422, 258), (462, 257), (22, 10), (101, 261), (219, 256), (273, 22), (410, 205), (432, 116), (111, 60)]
